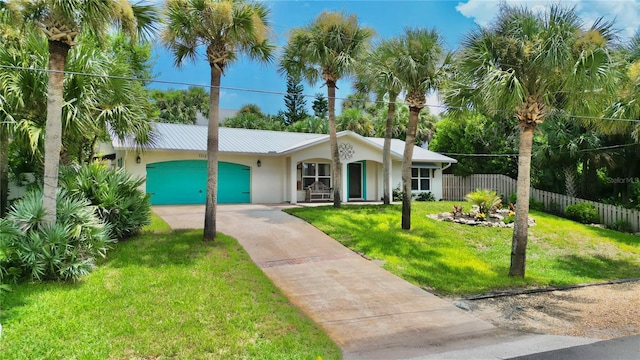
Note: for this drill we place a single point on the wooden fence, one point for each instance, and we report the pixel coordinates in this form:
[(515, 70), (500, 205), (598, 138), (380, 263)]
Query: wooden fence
[(454, 188)]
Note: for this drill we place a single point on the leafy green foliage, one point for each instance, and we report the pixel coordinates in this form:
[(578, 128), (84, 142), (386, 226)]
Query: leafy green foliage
[(397, 193), (320, 106), (477, 134), (164, 295), (622, 226), (180, 106), (294, 101), (583, 212), (66, 250), (115, 194), (533, 203), (485, 199), (425, 196)]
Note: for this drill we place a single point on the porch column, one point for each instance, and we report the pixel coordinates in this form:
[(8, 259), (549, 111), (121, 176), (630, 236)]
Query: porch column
[(293, 182), (344, 186)]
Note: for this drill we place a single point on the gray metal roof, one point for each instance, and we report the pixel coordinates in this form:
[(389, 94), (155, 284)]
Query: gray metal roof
[(419, 154), (181, 137)]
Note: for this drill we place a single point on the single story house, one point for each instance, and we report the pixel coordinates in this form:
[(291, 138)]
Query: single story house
[(257, 166)]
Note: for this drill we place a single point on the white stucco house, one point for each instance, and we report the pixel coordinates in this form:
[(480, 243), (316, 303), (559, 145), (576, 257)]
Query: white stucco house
[(257, 166)]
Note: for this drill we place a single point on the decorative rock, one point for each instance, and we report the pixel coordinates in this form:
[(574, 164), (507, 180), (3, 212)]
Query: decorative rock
[(462, 305), (494, 220)]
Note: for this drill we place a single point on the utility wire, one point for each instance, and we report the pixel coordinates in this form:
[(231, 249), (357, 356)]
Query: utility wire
[(260, 91), (563, 152)]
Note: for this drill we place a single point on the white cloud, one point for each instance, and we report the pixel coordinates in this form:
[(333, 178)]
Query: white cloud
[(626, 13)]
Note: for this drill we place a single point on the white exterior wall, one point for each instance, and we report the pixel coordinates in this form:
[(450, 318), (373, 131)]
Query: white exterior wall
[(361, 151), (276, 180), (266, 181)]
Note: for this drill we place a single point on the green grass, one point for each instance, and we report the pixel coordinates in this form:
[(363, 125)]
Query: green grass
[(455, 259), (161, 295)]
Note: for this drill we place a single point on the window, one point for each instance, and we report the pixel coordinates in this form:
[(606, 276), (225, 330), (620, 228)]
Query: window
[(312, 172), (420, 179)]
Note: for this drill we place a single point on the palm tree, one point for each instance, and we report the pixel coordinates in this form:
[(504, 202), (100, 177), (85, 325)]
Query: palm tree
[(419, 65), (626, 105), (377, 74), (526, 63), (226, 29), (327, 49), (65, 24)]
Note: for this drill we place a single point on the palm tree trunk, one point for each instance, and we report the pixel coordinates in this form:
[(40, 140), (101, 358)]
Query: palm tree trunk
[(336, 167), (53, 132), (521, 225), (406, 166), (386, 151), (570, 181), (212, 156), (4, 169)]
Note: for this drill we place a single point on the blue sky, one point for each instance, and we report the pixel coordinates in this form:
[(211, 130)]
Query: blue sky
[(453, 19)]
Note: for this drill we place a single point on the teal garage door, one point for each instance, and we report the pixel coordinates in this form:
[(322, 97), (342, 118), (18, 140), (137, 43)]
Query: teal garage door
[(185, 182)]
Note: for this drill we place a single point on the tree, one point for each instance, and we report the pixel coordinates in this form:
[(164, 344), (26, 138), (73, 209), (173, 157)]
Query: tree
[(294, 100), (320, 106), (65, 24), (475, 133), (355, 120), (419, 68), (327, 49), (226, 29), (180, 106), (377, 74), (526, 63)]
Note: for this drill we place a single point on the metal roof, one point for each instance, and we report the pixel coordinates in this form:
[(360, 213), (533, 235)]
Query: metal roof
[(419, 154), (181, 137)]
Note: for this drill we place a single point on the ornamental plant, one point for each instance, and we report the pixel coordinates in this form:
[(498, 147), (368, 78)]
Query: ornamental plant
[(485, 200)]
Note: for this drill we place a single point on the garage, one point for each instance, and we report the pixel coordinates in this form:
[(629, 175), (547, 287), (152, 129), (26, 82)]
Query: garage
[(185, 182)]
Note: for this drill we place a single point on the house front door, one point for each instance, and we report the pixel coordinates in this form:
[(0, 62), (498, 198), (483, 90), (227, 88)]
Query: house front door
[(355, 181)]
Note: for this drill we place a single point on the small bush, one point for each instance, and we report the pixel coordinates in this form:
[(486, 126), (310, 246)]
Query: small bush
[(39, 250), (485, 199), (425, 196), (397, 193), (114, 192), (533, 204), (583, 212), (622, 226)]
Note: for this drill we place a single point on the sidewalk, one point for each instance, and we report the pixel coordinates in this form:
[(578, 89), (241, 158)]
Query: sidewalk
[(368, 312)]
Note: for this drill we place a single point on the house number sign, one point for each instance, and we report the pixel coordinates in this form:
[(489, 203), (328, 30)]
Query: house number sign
[(346, 151)]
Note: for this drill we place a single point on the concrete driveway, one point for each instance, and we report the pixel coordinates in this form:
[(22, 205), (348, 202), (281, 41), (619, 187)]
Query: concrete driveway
[(367, 311)]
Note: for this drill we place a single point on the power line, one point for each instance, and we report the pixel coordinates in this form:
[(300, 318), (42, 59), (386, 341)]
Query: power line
[(564, 152), (270, 92)]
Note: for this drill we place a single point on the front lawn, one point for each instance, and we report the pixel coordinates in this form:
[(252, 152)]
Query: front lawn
[(161, 295), (455, 259)]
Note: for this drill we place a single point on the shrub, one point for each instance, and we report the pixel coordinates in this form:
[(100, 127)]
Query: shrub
[(114, 192), (582, 212), (425, 196), (533, 204), (397, 193), (65, 250), (622, 225), (485, 199)]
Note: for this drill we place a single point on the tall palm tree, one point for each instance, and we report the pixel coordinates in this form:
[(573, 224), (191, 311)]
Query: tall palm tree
[(377, 74), (626, 105), (226, 29), (327, 49), (527, 63), (419, 65), (65, 24)]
